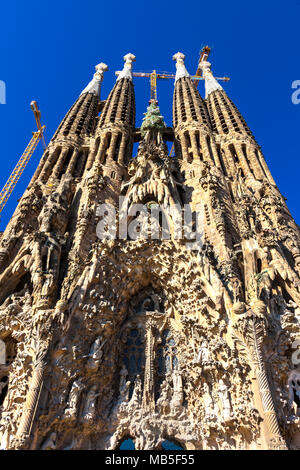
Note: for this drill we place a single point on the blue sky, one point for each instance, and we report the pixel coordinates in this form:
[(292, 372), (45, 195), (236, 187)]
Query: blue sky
[(48, 51)]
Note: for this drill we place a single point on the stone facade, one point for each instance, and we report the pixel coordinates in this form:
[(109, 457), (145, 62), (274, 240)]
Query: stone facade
[(106, 339)]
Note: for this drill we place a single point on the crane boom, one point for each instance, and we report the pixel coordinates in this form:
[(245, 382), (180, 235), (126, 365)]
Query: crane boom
[(25, 157)]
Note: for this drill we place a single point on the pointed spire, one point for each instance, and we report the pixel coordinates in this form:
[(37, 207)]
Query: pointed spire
[(211, 84), (95, 84), (126, 72), (181, 71)]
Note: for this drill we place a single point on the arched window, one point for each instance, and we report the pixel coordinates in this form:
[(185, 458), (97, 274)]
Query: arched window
[(134, 356), (66, 162), (127, 444), (171, 445)]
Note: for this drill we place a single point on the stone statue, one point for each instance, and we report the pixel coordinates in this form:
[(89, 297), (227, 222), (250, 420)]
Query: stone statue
[(136, 398), (49, 443), (163, 403), (204, 355), (96, 353), (177, 399), (124, 385), (89, 411), (225, 400), (74, 396), (208, 403)]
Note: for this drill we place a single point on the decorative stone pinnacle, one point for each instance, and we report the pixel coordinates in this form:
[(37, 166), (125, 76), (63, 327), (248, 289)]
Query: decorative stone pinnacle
[(129, 58), (181, 71), (179, 57), (126, 72), (211, 84), (95, 84), (100, 69)]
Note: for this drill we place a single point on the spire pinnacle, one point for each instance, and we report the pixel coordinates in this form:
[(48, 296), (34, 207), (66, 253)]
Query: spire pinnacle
[(211, 83), (95, 84), (126, 72), (181, 71)]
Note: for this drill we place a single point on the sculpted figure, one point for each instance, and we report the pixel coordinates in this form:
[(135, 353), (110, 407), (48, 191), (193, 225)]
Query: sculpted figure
[(177, 399), (136, 398), (96, 353), (163, 403), (208, 403), (49, 443), (124, 385), (89, 411), (204, 355), (74, 396), (225, 400)]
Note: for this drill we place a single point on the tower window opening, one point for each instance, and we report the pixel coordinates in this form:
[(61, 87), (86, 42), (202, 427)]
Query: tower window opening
[(182, 107), (127, 151), (66, 162), (125, 105), (244, 150), (221, 159), (117, 147), (197, 135), (187, 140), (134, 356), (259, 161), (210, 149), (234, 153), (80, 164), (107, 144), (97, 144)]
